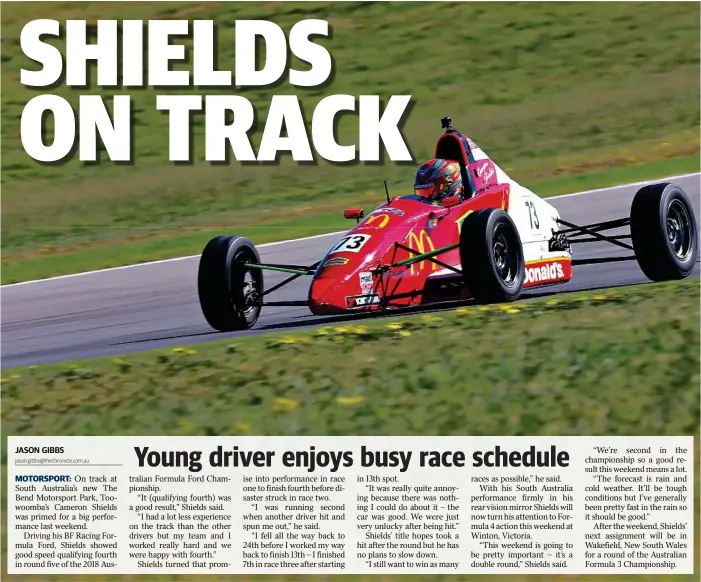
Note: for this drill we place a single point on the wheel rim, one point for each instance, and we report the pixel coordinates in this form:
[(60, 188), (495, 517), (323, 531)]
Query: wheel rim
[(679, 231), (250, 281), (250, 293), (505, 258)]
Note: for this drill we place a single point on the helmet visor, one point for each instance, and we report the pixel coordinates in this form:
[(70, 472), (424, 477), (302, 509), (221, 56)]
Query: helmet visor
[(427, 190)]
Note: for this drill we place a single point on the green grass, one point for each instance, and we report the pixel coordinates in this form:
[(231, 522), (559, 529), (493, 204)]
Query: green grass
[(51, 262), (614, 362), (550, 90), (620, 362)]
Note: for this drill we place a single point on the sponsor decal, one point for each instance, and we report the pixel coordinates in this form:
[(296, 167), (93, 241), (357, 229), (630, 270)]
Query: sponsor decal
[(336, 262), (351, 243), (374, 217), (357, 301), (366, 283), (545, 273), (485, 172), (423, 244)]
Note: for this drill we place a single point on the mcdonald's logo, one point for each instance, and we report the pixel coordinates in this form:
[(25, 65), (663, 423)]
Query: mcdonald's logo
[(422, 244), (373, 217)]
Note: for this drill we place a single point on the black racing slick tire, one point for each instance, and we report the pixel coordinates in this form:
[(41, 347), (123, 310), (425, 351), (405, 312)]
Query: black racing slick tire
[(228, 290), (663, 232), (491, 256)]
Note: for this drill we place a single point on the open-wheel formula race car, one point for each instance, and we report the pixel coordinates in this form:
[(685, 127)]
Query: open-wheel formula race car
[(487, 245)]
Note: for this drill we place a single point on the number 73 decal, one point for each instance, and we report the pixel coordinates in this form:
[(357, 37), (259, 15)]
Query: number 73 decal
[(350, 244), (532, 214)]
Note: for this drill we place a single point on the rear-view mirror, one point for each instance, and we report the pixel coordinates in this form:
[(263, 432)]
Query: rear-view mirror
[(353, 213)]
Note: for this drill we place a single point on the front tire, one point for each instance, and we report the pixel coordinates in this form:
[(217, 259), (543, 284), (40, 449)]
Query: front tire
[(491, 256), (227, 289), (663, 232)]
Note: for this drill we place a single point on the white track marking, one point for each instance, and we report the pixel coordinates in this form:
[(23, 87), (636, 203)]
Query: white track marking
[(622, 186), (282, 242), (161, 261)]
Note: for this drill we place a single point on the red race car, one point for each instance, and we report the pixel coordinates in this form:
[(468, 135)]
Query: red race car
[(487, 244)]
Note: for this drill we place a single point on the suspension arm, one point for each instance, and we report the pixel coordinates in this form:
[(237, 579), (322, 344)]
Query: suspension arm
[(422, 256), (430, 259), (294, 269), (599, 260), (597, 226), (595, 234), (583, 238), (300, 303)]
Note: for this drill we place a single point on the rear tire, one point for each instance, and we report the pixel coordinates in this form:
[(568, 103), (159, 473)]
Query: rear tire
[(491, 256), (226, 287), (663, 232)]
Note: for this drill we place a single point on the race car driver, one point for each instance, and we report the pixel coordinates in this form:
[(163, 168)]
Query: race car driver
[(438, 179)]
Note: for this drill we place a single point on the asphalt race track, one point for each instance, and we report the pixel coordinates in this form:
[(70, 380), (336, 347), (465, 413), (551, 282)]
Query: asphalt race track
[(155, 305)]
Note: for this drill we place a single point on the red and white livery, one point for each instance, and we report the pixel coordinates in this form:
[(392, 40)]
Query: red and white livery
[(489, 244)]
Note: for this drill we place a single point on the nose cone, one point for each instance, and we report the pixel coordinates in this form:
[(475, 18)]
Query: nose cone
[(325, 297), (346, 273)]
